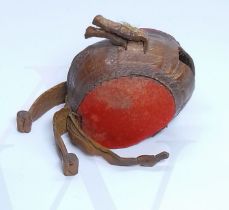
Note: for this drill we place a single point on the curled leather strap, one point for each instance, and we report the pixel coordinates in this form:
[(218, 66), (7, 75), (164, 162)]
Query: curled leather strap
[(117, 33), (47, 100), (70, 160), (91, 147)]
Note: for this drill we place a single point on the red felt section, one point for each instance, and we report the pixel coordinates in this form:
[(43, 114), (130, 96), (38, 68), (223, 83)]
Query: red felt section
[(121, 112)]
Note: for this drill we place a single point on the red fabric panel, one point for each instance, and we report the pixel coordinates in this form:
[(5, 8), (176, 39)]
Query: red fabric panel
[(122, 112)]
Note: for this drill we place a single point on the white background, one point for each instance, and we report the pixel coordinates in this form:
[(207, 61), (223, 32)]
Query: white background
[(38, 40)]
